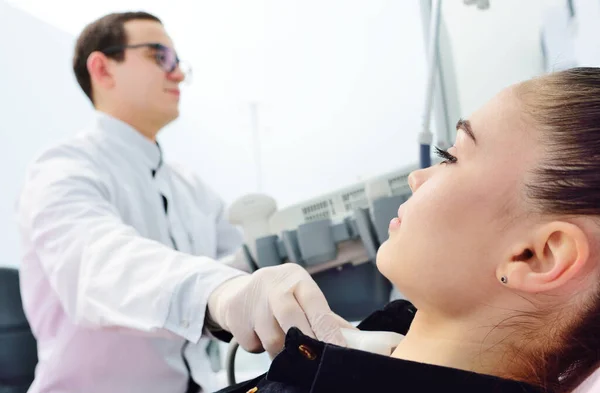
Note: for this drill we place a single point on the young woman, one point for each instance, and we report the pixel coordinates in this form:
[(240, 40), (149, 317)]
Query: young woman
[(499, 251)]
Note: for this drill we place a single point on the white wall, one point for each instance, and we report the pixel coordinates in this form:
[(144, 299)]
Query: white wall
[(39, 104), (338, 88), (344, 90), (587, 50), (495, 48)]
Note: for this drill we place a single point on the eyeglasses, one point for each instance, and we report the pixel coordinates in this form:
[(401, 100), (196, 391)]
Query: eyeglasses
[(165, 57)]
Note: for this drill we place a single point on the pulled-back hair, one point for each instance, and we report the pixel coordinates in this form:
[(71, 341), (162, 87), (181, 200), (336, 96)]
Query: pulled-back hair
[(565, 108)]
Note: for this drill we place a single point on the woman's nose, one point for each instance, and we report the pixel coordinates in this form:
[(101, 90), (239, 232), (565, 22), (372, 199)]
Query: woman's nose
[(416, 179)]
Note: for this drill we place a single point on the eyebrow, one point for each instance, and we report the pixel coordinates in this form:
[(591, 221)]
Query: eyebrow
[(465, 125)]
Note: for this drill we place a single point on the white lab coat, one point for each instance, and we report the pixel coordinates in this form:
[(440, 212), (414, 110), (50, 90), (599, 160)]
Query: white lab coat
[(108, 298)]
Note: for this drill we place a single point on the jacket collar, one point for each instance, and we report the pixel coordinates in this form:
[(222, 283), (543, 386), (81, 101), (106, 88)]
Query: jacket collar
[(319, 367)]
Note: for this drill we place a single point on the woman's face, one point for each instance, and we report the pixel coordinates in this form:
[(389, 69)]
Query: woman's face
[(466, 216)]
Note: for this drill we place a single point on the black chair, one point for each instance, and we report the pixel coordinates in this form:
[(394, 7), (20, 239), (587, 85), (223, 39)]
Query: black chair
[(18, 349)]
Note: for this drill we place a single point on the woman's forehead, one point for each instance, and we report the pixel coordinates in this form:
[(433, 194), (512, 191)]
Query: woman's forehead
[(500, 120)]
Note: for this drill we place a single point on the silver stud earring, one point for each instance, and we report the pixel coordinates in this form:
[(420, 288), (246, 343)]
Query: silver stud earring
[(504, 280)]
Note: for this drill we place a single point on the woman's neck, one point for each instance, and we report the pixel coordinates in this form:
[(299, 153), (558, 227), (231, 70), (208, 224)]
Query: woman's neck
[(471, 345)]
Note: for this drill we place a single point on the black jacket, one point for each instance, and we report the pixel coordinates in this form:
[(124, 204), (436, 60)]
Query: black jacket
[(309, 366)]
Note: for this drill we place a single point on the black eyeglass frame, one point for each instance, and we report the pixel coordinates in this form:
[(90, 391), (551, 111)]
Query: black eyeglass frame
[(152, 45)]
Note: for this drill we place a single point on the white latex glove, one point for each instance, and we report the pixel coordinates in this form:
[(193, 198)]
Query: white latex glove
[(259, 309)]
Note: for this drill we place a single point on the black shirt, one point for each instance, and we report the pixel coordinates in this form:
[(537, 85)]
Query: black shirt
[(309, 366)]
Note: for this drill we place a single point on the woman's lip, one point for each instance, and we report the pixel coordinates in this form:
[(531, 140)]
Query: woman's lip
[(394, 223), (400, 210)]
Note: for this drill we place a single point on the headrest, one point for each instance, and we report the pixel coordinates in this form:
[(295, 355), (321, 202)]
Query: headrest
[(18, 350), (11, 309)]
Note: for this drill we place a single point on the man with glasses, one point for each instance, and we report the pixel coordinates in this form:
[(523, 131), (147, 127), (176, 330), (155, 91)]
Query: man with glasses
[(121, 279)]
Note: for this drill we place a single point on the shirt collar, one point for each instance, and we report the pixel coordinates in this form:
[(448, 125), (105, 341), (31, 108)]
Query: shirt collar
[(120, 133)]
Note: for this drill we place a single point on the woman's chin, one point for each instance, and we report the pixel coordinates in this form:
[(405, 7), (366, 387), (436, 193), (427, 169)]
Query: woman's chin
[(382, 260), (391, 262)]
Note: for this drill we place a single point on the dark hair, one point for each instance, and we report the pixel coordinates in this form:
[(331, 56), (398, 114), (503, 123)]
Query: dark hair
[(565, 108), (108, 31)]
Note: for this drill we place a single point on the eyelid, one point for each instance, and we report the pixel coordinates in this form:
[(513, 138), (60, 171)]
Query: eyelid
[(465, 127), (448, 158), (463, 140)]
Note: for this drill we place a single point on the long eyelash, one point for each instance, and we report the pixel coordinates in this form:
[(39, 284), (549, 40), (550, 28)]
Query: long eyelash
[(448, 158)]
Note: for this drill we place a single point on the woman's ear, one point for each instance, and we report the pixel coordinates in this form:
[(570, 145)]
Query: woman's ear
[(556, 253)]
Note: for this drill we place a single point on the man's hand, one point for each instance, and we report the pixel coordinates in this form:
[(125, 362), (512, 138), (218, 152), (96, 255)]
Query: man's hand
[(259, 309)]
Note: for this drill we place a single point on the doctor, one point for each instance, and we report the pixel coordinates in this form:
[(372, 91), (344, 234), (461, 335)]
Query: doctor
[(120, 277)]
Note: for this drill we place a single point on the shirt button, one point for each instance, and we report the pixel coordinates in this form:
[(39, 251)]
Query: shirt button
[(307, 352), (185, 324)]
